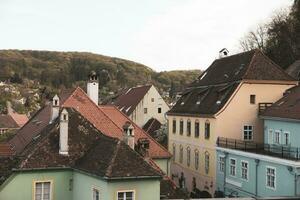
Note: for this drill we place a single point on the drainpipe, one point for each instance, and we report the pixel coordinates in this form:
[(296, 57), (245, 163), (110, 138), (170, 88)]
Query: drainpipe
[(256, 176), (224, 181), (293, 171)]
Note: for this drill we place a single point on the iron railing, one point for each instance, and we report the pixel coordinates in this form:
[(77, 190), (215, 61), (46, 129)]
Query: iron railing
[(286, 152)]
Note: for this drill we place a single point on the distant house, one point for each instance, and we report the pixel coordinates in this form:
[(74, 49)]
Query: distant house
[(141, 104), (223, 102), (70, 159), (7, 123), (269, 169)]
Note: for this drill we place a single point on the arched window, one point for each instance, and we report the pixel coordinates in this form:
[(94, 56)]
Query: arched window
[(197, 129), (207, 129), (188, 128), (174, 152), (206, 162), (174, 126), (188, 156), (196, 159), (181, 154)]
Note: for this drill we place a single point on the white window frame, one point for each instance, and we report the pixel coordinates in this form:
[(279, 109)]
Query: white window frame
[(247, 174), (234, 167), (125, 191), (221, 165), (270, 136), (97, 189), (289, 138), (279, 137), (248, 130), (43, 181), (269, 187)]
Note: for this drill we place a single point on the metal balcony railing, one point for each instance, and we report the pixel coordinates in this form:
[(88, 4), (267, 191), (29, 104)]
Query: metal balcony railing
[(286, 152)]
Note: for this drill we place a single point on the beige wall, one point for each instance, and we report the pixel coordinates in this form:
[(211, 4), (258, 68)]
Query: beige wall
[(138, 115), (228, 122), (239, 112)]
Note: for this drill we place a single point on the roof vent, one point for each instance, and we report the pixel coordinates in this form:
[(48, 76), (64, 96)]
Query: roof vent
[(218, 102), (223, 53)]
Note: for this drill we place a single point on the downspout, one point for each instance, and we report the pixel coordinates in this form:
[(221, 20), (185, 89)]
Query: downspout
[(293, 171), (256, 176), (224, 180)]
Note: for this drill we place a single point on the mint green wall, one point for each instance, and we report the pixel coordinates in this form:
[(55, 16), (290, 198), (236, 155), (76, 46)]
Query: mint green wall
[(285, 180), (164, 165), (144, 189), (20, 185), (83, 184), (292, 127)]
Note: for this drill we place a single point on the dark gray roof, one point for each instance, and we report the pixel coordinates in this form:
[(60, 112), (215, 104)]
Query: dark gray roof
[(210, 92), (294, 69)]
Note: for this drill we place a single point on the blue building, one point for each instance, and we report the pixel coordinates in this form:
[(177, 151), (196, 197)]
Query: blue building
[(269, 169)]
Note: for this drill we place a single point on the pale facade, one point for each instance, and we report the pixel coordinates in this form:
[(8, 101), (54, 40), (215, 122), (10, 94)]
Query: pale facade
[(229, 122), (151, 106)]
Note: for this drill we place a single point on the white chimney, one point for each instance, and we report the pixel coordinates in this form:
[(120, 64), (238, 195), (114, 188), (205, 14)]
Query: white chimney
[(128, 134), (223, 53), (63, 133), (55, 108), (93, 87)]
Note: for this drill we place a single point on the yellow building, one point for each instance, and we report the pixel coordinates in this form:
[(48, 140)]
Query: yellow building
[(223, 102)]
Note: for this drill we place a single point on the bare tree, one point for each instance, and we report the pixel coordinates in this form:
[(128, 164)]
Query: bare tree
[(255, 39)]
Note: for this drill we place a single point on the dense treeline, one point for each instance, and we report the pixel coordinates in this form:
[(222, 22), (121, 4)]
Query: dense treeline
[(279, 38), (68, 69)]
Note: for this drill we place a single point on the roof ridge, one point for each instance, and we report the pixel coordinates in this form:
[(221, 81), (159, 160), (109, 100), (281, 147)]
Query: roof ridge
[(141, 129), (250, 64), (113, 158)]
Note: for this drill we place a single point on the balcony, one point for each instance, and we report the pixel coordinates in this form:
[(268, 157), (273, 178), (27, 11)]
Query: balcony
[(285, 152), (263, 106)]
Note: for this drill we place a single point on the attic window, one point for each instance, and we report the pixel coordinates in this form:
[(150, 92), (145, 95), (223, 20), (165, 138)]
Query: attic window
[(198, 102), (218, 102), (152, 99), (182, 103), (252, 99)]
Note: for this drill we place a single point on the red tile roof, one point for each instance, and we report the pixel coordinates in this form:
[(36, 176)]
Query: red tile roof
[(109, 120), (6, 150), (128, 100)]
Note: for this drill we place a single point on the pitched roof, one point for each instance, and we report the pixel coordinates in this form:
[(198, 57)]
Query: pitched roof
[(151, 126), (89, 151), (20, 119), (294, 69), (119, 118), (109, 120), (31, 129), (6, 121), (128, 99), (214, 87), (287, 107)]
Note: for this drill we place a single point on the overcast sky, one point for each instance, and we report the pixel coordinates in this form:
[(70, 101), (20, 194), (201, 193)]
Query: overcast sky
[(163, 34)]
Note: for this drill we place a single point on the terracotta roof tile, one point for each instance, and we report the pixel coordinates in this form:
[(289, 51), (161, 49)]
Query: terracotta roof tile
[(20, 119), (109, 120)]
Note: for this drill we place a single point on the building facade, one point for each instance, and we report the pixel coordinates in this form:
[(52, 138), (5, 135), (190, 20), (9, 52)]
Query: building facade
[(141, 104), (224, 101), (268, 169)]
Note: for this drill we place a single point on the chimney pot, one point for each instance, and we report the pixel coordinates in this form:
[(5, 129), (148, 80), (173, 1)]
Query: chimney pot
[(93, 87), (55, 108), (64, 133)]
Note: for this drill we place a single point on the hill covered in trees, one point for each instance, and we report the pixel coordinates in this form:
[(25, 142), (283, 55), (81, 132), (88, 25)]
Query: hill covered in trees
[(279, 38), (58, 70)]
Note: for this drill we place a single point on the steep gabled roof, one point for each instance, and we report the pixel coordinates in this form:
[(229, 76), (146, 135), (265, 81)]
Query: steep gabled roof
[(128, 99), (6, 121), (119, 118), (20, 119), (89, 151), (288, 107), (151, 126), (215, 86)]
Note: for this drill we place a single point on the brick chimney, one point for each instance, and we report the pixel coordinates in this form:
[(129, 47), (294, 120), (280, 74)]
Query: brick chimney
[(128, 134), (63, 133)]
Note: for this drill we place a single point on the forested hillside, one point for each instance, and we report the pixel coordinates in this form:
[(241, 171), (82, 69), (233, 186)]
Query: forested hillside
[(279, 38), (68, 69)]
